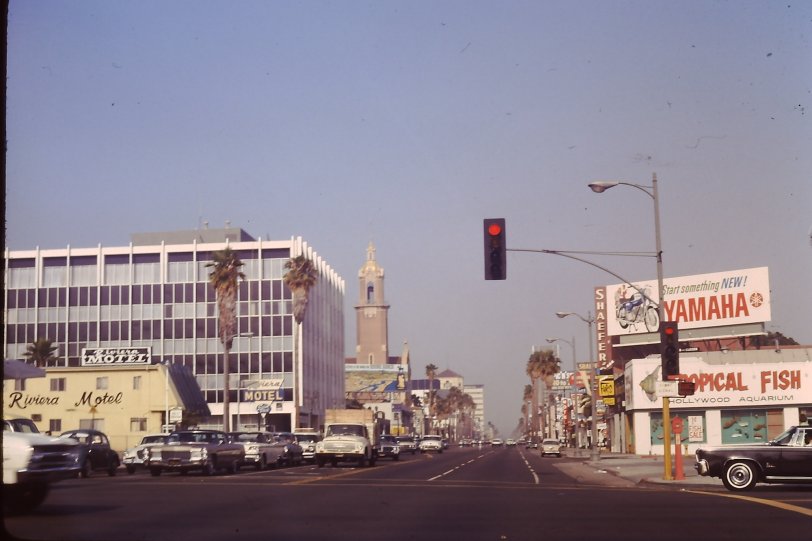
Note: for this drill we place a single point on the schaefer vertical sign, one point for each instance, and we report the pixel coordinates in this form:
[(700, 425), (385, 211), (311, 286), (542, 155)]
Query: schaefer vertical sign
[(603, 340)]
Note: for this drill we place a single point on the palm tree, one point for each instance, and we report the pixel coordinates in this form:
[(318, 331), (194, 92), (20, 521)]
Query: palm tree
[(41, 352), (526, 396), (431, 373), (301, 276), (541, 365), (223, 277)]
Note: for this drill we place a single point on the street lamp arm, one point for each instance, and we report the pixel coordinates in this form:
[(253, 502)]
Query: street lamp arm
[(563, 254), (601, 186), (582, 318)]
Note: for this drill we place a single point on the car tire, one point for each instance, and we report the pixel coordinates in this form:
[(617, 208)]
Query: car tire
[(85, 471), (209, 469), (320, 462), (130, 469), (262, 464), (740, 475)]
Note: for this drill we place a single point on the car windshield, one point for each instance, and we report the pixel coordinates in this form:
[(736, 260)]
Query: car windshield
[(345, 430), (248, 437), (20, 425), (785, 438), (153, 439), (192, 437), (307, 438)]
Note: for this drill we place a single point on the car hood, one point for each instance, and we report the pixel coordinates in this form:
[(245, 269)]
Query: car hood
[(736, 447)]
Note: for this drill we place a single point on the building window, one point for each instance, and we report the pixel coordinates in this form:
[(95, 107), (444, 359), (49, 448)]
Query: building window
[(102, 382), (22, 274), (55, 426), (83, 271), (136, 383), (58, 384), (92, 424), (693, 431), (370, 293), (751, 426), (138, 424)]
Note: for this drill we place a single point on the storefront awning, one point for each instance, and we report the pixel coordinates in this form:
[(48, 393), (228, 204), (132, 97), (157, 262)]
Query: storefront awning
[(14, 369)]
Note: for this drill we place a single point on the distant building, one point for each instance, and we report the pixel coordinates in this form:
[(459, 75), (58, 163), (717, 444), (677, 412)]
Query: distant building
[(153, 296), (373, 378)]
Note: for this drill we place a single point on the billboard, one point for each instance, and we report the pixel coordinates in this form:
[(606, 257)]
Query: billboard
[(116, 356), (368, 382), (697, 301)]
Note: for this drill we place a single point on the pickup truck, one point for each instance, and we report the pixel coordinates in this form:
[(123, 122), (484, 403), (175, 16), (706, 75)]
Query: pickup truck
[(31, 462), (350, 435)]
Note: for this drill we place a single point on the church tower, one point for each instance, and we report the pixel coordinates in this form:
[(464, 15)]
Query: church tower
[(371, 314)]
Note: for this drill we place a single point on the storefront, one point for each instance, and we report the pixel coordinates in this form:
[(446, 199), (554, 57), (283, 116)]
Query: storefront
[(741, 397), (124, 400)]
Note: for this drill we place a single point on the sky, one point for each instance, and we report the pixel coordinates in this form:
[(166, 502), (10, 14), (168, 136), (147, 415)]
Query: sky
[(407, 123)]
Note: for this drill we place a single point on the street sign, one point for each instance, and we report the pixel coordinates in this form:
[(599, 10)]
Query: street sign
[(263, 408), (606, 386), (175, 415), (668, 389)]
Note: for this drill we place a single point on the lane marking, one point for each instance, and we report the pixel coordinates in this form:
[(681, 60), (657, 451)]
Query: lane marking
[(771, 503)]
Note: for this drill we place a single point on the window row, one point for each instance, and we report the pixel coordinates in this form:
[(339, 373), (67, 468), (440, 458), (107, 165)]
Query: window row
[(199, 293), (83, 331), (737, 426), (117, 270)]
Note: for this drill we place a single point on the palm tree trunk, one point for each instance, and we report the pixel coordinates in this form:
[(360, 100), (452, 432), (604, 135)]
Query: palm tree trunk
[(226, 391)]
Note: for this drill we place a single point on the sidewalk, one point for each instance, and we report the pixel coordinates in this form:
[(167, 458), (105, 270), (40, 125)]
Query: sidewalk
[(619, 469)]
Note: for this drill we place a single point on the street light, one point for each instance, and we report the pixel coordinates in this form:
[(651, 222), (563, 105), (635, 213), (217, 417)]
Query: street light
[(651, 191), (589, 320)]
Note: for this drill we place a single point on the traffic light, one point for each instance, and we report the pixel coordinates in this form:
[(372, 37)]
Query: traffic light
[(669, 349), (495, 256)]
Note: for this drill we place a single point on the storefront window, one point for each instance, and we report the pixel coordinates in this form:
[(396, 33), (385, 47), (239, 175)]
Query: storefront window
[(745, 426), (693, 426)]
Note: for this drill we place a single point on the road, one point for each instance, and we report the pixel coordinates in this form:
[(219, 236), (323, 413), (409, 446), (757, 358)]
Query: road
[(462, 494)]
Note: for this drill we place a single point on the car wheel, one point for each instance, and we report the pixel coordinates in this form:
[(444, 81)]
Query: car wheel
[(233, 467), (19, 499), (320, 462), (740, 475), (130, 469), (209, 469), (84, 473), (263, 463)]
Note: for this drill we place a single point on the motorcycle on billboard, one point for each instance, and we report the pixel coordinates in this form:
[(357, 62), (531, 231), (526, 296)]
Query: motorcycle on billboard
[(634, 306)]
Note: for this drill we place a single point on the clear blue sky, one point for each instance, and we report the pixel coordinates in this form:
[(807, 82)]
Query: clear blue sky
[(407, 123)]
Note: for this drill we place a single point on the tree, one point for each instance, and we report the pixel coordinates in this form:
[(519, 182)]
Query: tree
[(41, 352), (223, 277), (431, 373), (301, 276), (526, 397), (542, 365)]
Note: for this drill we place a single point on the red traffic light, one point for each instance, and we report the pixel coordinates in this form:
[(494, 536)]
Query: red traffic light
[(494, 229), (668, 330)]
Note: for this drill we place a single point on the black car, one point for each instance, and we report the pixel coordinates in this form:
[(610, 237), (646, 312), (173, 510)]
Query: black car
[(786, 459), (95, 453)]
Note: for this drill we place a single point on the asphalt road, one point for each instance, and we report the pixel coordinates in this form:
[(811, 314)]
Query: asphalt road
[(462, 494)]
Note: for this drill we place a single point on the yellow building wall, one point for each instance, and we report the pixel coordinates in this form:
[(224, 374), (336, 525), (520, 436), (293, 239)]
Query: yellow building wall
[(111, 409)]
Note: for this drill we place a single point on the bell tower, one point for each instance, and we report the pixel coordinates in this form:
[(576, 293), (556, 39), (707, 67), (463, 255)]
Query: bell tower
[(371, 314)]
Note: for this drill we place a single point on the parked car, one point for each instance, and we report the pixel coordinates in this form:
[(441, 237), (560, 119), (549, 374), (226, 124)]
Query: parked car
[(307, 440), (188, 450), (497, 442), (259, 449), (136, 457), (431, 443), (786, 459), (407, 444), (550, 446), (388, 447), (510, 442), (291, 452), (95, 453)]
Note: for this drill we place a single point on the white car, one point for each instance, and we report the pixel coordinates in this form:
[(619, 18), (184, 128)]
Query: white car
[(136, 457), (431, 443), (551, 447)]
